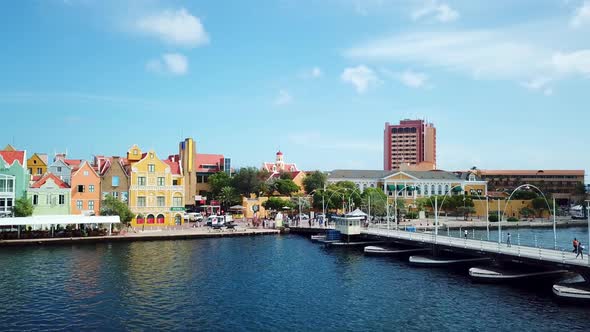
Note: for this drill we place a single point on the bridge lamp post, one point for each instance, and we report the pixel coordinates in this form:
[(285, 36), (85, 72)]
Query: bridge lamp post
[(440, 207), (528, 186), (395, 206)]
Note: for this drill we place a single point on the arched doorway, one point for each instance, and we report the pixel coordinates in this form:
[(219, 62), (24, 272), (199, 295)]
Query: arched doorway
[(160, 219), (178, 219), (150, 219), (140, 220)]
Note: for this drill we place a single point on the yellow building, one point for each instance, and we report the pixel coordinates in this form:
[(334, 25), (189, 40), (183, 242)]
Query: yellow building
[(37, 164), (156, 192)]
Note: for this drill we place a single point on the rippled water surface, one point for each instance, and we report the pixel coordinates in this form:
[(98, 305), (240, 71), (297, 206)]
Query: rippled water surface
[(258, 284)]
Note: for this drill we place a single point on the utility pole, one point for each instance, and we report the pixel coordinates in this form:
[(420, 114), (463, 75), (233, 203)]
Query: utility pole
[(499, 224), (488, 216), (554, 231)]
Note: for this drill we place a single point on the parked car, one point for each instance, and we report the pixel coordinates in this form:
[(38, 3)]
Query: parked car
[(219, 221), (193, 216)]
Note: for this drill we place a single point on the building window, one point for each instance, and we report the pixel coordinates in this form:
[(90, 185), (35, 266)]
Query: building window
[(124, 196), (39, 171), (35, 199), (177, 201), (440, 189), (90, 205), (79, 204), (115, 181), (161, 201), (91, 188), (81, 188), (175, 182), (85, 173), (135, 152), (141, 201), (59, 169), (151, 168), (161, 181), (141, 181), (446, 189), (62, 199)]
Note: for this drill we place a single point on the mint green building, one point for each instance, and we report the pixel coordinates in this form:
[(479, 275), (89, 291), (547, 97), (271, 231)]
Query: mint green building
[(50, 196), (14, 178)]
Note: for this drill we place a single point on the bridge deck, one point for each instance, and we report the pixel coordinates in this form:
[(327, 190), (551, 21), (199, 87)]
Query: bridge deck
[(547, 255)]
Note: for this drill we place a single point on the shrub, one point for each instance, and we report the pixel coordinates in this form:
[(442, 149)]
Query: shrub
[(412, 215), (512, 219), (493, 218)]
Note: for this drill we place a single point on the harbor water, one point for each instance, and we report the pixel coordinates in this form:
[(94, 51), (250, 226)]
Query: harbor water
[(267, 283)]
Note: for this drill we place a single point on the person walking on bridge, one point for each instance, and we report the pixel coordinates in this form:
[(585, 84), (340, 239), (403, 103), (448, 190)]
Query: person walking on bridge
[(580, 249), (508, 242), (466, 233), (575, 243)]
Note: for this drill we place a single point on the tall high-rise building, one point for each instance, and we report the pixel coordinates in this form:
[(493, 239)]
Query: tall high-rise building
[(411, 142)]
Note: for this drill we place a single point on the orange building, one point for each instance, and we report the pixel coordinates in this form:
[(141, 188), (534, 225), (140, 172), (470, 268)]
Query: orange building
[(85, 189)]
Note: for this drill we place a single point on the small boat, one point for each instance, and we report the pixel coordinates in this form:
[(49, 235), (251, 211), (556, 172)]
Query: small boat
[(318, 237), (577, 292), (498, 275), (373, 250), (427, 261)]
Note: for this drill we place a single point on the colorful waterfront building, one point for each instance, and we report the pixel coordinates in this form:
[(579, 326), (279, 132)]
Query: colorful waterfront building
[(114, 177), (62, 167), (50, 196), (156, 191), (37, 164), (279, 165), (14, 178), (85, 189)]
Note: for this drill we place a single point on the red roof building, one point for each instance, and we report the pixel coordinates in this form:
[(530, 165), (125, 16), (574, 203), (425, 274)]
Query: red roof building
[(279, 165), (43, 179), (11, 156)]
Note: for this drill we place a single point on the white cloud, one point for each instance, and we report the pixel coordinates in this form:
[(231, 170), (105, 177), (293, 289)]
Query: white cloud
[(582, 15), (577, 62), (172, 63), (439, 11), (362, 77), (312, 73), (413, 79), (283, 98), (539, 84), (174, 27), (480, 53)]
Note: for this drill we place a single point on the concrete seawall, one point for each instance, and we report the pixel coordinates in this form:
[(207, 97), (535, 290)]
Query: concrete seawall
[(141, 236)]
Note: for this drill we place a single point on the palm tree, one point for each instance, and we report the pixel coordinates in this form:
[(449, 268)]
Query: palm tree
[(227, 197)]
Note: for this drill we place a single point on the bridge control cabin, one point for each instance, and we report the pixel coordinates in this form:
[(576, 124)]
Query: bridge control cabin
[(349, 225)]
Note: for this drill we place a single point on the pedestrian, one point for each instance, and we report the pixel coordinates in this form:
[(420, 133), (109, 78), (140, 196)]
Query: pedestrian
[(508, 242), (465, 233), (580, 249), (575, 243)]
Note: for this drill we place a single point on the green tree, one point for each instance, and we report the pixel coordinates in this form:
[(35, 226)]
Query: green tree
[(286, 187), (217, 182), (524, 195), (540, 205), (285, 176), (111, 206), (527, 212), (342, 193), (228, 197), (276, 203), (247, 181), (376, 200), (314, 181), (23, 207)]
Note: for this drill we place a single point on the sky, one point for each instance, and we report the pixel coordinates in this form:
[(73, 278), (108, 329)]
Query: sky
[(506, 83)]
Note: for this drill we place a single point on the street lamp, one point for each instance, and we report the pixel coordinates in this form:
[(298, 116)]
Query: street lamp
[(529, 186)]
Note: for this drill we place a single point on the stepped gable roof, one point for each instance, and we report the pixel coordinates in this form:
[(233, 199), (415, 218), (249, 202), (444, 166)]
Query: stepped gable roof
[(293, 175), (11, 156), (40, 182)]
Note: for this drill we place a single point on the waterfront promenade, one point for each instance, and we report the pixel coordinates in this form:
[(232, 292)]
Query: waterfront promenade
[(180, 233)]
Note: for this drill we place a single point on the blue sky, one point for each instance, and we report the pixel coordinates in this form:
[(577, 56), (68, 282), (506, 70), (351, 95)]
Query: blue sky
[(505, 82)]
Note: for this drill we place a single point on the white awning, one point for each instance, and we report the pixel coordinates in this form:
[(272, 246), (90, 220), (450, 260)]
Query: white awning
[(356, 213), (59, 220)]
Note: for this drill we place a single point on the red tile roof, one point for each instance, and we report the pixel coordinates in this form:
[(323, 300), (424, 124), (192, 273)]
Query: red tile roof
[(174, 166), (202, 159), (489, 172), (10, 156), (40, 182), (73, 162)]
